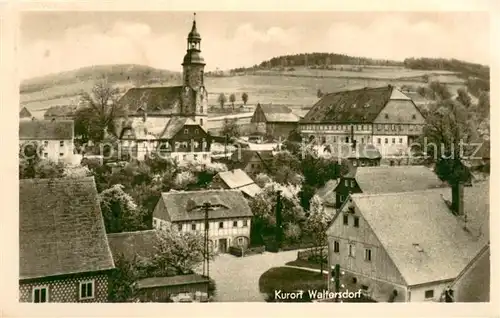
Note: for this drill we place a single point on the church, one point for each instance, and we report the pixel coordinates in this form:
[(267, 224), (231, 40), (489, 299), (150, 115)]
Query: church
[(170, 119)]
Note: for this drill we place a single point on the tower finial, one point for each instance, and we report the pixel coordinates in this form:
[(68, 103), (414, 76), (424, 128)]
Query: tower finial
[(194, 17)]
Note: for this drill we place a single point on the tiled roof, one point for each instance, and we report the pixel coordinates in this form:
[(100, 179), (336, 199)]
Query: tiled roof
[(46, 130), (426, 242), (251, 190), (355, 106), (327, 192), (61, 228), (170, 281), (161, 100), (235, 178), (396, 179), (345, 151), (61, 111), (25, 113), (245, 155), (131, 244), (173, 126), (180, 206), (279, 113)]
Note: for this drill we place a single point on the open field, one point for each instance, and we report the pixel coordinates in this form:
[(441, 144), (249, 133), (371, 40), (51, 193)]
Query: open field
[(289, 88)]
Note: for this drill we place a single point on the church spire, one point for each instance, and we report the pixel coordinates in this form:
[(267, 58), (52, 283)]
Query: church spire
[(193, 55)]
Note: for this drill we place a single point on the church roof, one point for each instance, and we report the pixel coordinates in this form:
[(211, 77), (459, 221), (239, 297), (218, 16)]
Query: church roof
[(156, 100)]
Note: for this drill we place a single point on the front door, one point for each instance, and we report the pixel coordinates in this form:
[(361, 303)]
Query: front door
[(223, 245)]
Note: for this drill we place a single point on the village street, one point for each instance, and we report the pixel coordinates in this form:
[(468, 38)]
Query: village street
[(237, 278)]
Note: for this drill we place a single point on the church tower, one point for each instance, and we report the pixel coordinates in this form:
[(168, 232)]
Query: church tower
[(194, 100)]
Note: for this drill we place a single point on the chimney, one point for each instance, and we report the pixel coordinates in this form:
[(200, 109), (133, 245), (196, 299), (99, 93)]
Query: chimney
[(457, 198)]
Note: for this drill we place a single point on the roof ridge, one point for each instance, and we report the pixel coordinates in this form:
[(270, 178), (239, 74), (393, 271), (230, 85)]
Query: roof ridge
[(199, 191), (130, 233), (59, 180), (359, 89), (363, 195)]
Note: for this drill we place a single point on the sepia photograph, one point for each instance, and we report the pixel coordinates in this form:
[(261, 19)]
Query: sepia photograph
[(254, 156)]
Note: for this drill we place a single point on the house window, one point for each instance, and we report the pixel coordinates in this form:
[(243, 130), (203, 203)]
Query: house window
[(46, 155), (346, 183), (154, 222), (87, 290), (196, 131), (346, 219), (221, 225), (184, 157), (379, 141), (61, 154), (393, 140), (353, 184), (336, 247), (195, 157), (46, 143), (386, 140), (386, 127), (201, 119), (352, 250), (354, 163), (379, 127), (41, 295), (193, 226), (362, 140), (240, 241), (341, 199), (400, 140), (185, 131), (356, 221), (179, 227), (386, 116), (393, 127), (368, 254), (235, 223), (334, 138), (413, 116), (245, 223), (410, 126), (429, 294), (61, 143), (205, 156)]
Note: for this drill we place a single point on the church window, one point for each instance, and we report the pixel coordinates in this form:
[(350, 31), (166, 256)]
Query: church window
[(201, 77), (201, 119)]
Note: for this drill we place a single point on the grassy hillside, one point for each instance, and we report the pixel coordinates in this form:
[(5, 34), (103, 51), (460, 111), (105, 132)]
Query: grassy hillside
[(136, 74)]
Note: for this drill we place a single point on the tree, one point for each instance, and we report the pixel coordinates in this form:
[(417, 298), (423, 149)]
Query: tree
[(483, 105), (244, 98), (262, 179), (102, 109), (319, 93), (230, 128), (316, 226), (222, 99), (178, 253), (232, 99), (440, 91), (463, 97), (121, 280), (119, 211), (184, 179), (292, 232)]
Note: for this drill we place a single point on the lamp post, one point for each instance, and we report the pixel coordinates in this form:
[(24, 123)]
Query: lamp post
[(207, 206)]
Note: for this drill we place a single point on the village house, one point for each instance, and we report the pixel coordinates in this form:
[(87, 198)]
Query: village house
[(60, 112), (382, 116), (473, 283), (408, 246), (274, 120), (25, 114), (216, 124), (133, 246), (63, 250), (55, 136), (236, 179), (251, 161), (327, 195), (181, 139), (385, 180), (156, 106), (229, 221)]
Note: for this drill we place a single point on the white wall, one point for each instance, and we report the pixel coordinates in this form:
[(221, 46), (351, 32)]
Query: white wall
[(54, 150), (400, 144), (417, 294)]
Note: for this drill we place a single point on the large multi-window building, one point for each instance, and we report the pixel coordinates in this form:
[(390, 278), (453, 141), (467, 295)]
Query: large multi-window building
[(384, 117)]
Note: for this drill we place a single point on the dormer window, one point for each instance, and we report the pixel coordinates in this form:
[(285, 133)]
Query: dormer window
[(185, 131), (386, 116), (413, 116)]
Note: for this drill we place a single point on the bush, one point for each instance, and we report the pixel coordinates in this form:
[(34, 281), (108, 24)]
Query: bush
[(292, 232)]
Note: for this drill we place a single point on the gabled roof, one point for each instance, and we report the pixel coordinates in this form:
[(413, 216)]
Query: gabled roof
[(245, 155), (132, 244), (183, 205), (61, 111), (238, 179), (173, 126), (61, 229), (327, 192), (425, 241), (46, 130), (383, 179), (279, 113), (161, 100), (355, 106), (25, 113)]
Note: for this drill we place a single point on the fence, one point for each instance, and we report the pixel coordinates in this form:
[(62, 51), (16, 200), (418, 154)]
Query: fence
[(312, 253), (241, 252)]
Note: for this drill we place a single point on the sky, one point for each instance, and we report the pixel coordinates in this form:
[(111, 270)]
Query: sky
[(52, 42)]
